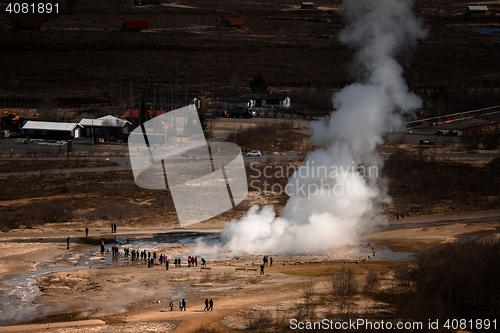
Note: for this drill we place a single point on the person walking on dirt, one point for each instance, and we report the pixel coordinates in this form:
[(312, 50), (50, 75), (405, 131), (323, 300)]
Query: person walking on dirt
[(211, 304), (67, 243), (206, 305), (166, 263), (114, 228), (171, 305), (86, 232), (180, 305), (262, 269), (112, 225), (184, 304)]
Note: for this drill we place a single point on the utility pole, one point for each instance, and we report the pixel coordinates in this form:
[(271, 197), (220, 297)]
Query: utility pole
[(92, 136)]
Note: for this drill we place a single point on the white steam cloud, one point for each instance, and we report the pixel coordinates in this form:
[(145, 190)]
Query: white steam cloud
[(324, 211)]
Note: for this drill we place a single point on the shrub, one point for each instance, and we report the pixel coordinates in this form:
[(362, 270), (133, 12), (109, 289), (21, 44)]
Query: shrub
[(457, 280), (372, 282), (259, 321), (343, 284)]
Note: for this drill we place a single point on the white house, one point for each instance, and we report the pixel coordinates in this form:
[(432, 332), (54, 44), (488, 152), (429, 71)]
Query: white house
[(51, 130), (107, 126), (281, 101), (477, 9), (236, 102)]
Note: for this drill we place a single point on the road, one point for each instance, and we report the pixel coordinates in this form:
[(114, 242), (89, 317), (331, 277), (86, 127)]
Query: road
[(123, 163), (119, 153)]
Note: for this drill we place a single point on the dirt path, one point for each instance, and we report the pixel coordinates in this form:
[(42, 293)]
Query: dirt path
[(479, 216), (195, 317)]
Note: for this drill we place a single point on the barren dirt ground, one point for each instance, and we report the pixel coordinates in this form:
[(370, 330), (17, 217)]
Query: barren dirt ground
[(129, 297)]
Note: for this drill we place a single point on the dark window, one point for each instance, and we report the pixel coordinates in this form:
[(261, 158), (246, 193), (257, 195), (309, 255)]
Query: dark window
[(272, 102)]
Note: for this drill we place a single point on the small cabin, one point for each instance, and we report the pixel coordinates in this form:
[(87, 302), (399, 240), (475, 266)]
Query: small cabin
[(28, 24), (476, 10), (51, 130), (135, 26), (230, 22), (147, 2), (307, 5)]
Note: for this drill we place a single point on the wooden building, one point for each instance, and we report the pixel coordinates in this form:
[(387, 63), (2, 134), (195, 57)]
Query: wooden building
[(51, 130), (135, 25)]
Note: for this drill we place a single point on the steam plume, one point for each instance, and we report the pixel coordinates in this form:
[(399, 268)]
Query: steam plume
[(322, 212)]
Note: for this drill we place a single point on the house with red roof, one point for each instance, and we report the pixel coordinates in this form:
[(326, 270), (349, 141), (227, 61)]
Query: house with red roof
[(130, 115), (133, 116), (28, 24), (230, 22), (135, 25)]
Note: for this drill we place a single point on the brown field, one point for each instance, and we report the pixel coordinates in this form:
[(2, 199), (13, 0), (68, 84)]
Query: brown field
[(82, 61)]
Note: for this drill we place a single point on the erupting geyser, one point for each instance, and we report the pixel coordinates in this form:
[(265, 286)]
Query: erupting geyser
[(333, 199)]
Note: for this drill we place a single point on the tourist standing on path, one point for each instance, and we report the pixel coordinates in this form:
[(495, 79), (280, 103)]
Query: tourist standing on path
[(87, 232), (67, 243), (262, 269)]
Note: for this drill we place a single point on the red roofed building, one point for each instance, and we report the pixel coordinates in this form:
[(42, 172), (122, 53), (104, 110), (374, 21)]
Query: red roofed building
[(135, 25), (230, 22), (133, 116), (28, 24)]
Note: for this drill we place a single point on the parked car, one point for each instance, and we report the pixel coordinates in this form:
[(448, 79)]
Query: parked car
[(4, 134), (253, 153), (301, 113), (211, 115)]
